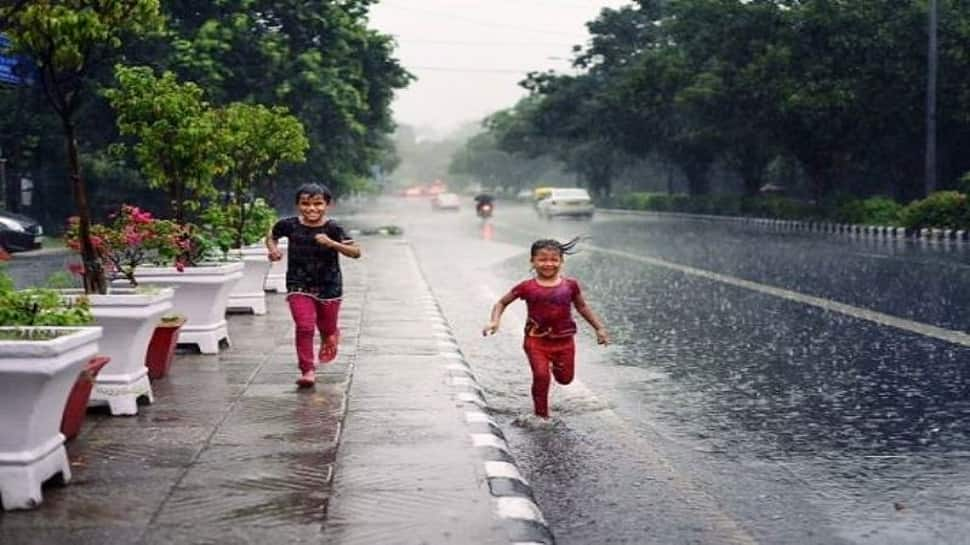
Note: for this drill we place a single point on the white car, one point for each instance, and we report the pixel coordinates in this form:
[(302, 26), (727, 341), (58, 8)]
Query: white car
[(566, 201), (445, 201)]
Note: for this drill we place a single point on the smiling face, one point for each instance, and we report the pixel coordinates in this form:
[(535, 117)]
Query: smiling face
[(547, 263), (312, 208)]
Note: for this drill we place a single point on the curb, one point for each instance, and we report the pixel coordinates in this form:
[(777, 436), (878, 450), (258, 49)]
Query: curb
[(512, 497), (880, 232)]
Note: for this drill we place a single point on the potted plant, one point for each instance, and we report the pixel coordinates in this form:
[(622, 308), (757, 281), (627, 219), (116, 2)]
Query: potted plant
[(236, 229), (203, 285), (44, 346), (128, 313), (180, 147), (258, 140)]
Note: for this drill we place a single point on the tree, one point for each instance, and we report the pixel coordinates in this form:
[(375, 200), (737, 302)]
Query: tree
[(316, 57), (67, 40), (259, 140), (181, 142)]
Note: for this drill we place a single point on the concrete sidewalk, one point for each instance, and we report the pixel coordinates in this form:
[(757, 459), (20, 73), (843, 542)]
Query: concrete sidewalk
[(393, 446)]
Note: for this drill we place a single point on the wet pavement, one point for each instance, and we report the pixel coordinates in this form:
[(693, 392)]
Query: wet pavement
[(721, 414), (232, 452), (786, 422)]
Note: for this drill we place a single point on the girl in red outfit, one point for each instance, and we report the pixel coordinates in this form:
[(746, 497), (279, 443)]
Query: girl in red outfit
[(314, 284), (550, 328)]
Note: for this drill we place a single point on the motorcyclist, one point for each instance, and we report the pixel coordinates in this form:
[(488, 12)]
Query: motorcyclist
[(481, 201)]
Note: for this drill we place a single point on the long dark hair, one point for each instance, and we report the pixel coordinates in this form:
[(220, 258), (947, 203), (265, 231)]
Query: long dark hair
[(564, 248)]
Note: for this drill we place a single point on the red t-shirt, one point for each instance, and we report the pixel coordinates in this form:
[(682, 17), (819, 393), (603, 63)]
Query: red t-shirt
[(549, 307)]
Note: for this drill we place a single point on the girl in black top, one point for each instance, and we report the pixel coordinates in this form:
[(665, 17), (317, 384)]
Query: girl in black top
[(314, 284)]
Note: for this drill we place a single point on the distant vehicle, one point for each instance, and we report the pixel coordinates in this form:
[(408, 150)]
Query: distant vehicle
[(566, 201), (538, 194), (19, 232), (524, 195), (445, 201), (484, 205)]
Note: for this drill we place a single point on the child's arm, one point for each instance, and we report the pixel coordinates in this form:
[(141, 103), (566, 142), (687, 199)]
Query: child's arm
[(271, 246), (349, 249), (492, 326), (602, 337)]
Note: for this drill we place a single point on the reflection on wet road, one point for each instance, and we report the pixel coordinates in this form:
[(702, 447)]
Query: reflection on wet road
[(805, 425)]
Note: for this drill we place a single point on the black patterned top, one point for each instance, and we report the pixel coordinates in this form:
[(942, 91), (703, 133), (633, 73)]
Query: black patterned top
[(311, 267)]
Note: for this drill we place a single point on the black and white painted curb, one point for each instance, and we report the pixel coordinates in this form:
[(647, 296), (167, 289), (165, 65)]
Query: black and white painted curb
[(855, 230), (512, 497)]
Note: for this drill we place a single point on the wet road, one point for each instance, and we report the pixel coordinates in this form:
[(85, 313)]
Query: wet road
[(724, 414)]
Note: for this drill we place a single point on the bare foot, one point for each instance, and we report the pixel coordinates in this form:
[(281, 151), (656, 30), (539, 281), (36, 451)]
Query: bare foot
[(328, 352)]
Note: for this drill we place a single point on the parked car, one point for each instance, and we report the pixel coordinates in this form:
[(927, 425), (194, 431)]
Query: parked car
[(566, 201), (19, 232), (445, 201)]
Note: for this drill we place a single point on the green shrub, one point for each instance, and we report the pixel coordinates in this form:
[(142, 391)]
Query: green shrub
[(871, 211), (943, 209), (221, 223), (39, 307)]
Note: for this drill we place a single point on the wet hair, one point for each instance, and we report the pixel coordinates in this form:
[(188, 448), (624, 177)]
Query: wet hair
[(312, 190), (564, 248)]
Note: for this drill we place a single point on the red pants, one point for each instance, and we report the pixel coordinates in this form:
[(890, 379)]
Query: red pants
[(308, 313), (543, 353)]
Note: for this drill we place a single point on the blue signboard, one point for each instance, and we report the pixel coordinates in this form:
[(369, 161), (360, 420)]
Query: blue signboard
[(13, 70)]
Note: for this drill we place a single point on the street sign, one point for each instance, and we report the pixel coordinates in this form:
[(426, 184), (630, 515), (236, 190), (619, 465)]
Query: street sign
[(13, 70)]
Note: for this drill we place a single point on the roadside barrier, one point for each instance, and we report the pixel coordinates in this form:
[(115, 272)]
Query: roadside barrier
[(856, 230)]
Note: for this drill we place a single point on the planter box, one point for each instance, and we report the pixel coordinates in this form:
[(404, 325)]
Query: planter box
[(77, 401), (128, 318), (276, 277), (161, 349), (202, 296), (35, 379), (248, 294)]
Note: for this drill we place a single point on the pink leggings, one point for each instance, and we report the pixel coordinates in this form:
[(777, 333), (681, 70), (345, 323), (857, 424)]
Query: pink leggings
[(309, 313), (543, 353)]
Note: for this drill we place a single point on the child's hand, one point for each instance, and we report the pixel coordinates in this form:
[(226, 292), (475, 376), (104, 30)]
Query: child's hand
[(490, 329), (275, 255), (324, 240), (602, 337)]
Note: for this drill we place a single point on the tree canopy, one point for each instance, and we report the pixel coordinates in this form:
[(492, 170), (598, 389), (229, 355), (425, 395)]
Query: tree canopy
[(838, 87)]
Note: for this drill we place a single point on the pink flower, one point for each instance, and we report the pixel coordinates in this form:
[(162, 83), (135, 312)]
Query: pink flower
[(76, 268), (180, 266)]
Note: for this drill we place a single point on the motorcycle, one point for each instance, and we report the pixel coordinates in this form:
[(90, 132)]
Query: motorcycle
[(484, 210)]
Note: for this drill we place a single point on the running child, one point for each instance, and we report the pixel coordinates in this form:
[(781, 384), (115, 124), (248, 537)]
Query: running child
[(314, 285), (549, 329)]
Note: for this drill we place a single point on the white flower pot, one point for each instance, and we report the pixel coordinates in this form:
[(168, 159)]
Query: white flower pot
[(128, 318), (35, 379), (276, 277), (248, 294), (201, 294)]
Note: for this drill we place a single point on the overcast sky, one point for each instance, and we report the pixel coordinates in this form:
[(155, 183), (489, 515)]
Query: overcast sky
[(469, 55)]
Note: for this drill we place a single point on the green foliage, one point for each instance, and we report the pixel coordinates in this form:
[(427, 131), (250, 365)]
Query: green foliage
[(730, 205), (317, 57), (871, 211), (222, 223), (739, 83), (943, 209), (66, 40), (39, 307), (258, 141), (65, 37), (181, 142)]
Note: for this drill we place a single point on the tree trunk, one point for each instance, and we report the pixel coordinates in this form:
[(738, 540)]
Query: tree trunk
[(94, 278), (697, 182)]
